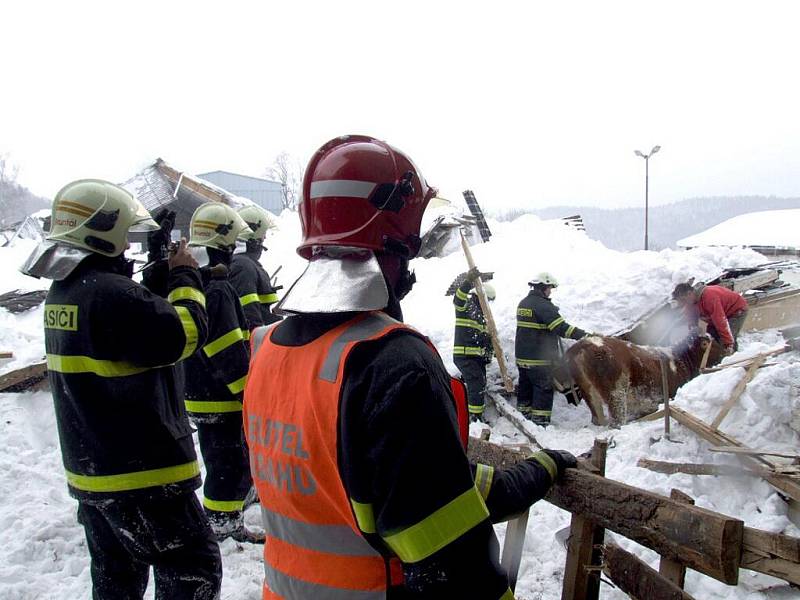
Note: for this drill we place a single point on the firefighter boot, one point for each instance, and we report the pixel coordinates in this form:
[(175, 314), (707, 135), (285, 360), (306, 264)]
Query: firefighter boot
[(231, 525)]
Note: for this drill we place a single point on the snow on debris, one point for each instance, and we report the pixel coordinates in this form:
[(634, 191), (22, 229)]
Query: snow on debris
[(769, 228), (42, 550)]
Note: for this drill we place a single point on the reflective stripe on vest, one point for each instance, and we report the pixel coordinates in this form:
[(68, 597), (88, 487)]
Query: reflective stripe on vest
[(314, 547)]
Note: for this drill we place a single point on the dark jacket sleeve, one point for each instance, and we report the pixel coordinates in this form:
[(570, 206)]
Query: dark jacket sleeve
[(244, 279), (156, 331), (461, 297), (401, 453), (549, 315), (225, 352), (510, 491)]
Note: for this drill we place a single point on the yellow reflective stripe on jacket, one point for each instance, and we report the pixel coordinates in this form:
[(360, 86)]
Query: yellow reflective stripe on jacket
[(85, 364), (268, 298), (484, 475), (470, 323), (555, 323), (187, 293), (238, 385), (190, 329), (223, 341), (133, 481), (509, 595), (246, 335), (524, 362), (365, 516), (570, 329), (548, 463), (468, 351), (223, 505), (439, 529), (527, 325), (461, 295), (248, 299), (211, 406)]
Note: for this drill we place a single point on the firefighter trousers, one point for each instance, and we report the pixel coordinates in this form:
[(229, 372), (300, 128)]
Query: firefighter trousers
[(535, 394), (473, 370), (126, 536), (227, 466)]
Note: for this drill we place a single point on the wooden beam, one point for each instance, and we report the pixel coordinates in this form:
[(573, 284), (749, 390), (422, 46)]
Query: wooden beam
[(514, 542), (784, 484), (743, 362), (651, 417), (190, 183), (581, 583), (738, 390), (771, 553), (523, 425), (641, 582), (751, 452), (6, 355), (701, 539), (670, 468), (672, 569), (20, 377)]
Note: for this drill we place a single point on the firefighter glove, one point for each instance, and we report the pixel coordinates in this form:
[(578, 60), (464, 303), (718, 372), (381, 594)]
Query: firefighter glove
[(473, 275), (563, 459), (158, 240)]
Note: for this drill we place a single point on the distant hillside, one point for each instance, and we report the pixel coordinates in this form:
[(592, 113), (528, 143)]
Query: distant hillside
[(17, 202), (623, 228)]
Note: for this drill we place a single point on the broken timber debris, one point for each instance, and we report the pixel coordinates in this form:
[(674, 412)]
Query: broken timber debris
[(637, 579), (738, 390), (24, 378)]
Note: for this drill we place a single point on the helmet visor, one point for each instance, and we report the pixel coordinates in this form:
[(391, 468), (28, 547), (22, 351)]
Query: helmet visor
[(142, 221)]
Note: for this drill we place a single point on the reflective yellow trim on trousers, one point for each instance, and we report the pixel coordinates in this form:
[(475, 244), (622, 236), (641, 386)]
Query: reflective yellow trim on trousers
[(268, 298), (133, 481), (555, 323), (365, 516), (540, 413), (223, 341), (238, 385), (484, 475), (524, 362), (476, 410), (439, 529), (85, 364), (527, 325), (223, 505), (548, 463), (248, 299), (468, 351), (190, 329), (187, 293), (211, 406)]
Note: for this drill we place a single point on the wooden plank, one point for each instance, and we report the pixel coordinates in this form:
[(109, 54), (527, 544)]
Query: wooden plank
[(523, 425), (581, 583), (771, 553), (651, 417), (751, 452), (665, 392), (704, 360), (784, 484), (738, 390), (637, 579), (20, 377), (512, 547), (700, 539), (6, 355), (487, 314), (670, 468), (671, 569), (743, 362)]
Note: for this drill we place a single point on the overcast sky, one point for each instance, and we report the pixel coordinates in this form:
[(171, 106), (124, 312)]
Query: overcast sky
[(529, 104)]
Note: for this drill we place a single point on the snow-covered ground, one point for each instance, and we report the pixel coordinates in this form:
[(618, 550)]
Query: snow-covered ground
[(42, 549)]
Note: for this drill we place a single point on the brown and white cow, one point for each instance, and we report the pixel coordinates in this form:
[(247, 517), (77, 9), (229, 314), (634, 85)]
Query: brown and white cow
[(626, 378)]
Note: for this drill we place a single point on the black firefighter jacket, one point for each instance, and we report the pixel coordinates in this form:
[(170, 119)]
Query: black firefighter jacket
[(111, 353), (539, 325), (216, 374), (254, 289), (471, 337)]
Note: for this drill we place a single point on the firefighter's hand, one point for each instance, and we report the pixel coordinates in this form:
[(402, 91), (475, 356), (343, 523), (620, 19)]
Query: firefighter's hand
[(564, 460), (473, 275), (159, 239), (181, 257)]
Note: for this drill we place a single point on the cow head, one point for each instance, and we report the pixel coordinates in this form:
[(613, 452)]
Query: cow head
[(691, 350)]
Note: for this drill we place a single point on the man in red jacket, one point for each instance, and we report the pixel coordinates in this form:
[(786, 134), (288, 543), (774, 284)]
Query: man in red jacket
[(724, 310)]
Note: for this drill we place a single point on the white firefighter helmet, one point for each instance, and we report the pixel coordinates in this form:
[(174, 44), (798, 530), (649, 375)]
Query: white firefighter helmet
[(216, 225), (259, 221), (489, 290), (544, 278), (97, 215)]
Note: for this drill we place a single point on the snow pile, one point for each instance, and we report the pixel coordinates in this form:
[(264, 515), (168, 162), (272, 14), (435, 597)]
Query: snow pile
[(42, 551), (770, 228)]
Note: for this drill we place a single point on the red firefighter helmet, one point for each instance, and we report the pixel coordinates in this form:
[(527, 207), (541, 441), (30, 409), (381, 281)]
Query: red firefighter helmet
[(361, 192)]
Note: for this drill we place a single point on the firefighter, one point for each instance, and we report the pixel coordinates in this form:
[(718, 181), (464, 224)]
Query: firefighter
[(472, 346), (216, 374), (248, 277), (356, 442), (125, 440), (539, 326), (722, 309)]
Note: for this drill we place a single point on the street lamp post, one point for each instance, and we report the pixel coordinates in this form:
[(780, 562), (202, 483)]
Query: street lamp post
[(646, 158)]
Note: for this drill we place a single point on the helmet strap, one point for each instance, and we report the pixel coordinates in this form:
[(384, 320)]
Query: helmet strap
[(218, 257)]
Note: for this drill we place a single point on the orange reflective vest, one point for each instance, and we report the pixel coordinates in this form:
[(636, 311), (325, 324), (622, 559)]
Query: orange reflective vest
[(314, 546)]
